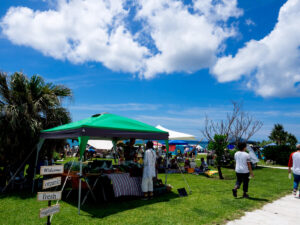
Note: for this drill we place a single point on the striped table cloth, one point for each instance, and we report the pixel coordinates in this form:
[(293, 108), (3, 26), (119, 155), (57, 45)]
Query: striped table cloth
[(124, 185)]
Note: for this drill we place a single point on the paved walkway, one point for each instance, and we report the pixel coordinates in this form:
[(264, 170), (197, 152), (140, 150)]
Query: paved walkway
[(284, 211), (276, 167)]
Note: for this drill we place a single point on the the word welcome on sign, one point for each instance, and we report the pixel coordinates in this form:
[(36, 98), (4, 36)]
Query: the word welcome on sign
[(48, 196), (49, 211), (51, 182), (47, 170)]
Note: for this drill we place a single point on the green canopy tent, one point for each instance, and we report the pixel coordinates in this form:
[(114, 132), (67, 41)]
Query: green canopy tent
[(103, 126)]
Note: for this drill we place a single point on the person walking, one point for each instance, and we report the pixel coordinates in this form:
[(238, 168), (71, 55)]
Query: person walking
[(149, 171), (243, 169), (294, 165)]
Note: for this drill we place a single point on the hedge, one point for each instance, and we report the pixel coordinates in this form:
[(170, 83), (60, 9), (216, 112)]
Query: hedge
[(280, 154)]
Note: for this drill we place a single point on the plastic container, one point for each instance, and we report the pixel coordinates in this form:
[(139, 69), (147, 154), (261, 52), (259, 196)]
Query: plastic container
[(190, 170)]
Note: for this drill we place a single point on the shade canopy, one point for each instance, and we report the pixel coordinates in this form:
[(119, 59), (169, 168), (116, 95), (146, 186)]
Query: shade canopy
[(102, 126), (178, 142), (174, 135), (199, 147), (101, 144), (106, 126)]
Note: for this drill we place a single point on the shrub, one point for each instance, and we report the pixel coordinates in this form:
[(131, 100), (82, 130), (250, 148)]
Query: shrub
[(280, 153)]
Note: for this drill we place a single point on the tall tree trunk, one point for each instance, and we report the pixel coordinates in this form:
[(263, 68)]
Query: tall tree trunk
[(220, 172)]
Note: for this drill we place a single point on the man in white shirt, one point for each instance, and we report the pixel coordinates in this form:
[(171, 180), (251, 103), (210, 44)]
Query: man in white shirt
[(243, 169), (149, 170), (294, 164)]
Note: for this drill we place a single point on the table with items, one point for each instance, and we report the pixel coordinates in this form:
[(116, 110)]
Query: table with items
[(104, 181)]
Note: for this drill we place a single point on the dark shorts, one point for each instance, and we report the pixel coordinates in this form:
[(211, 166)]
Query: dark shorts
[(242, 178)]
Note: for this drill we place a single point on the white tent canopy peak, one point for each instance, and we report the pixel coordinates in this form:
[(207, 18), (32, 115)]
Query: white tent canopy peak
[(175, 135)]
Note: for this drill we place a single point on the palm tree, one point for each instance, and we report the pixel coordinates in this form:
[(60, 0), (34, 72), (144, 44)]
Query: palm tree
[(278, 135), (27, 106), (281, 137)]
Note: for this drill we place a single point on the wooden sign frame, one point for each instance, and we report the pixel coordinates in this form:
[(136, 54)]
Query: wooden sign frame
[(48, 211), (48, 170), (49, 192), (56, 181)]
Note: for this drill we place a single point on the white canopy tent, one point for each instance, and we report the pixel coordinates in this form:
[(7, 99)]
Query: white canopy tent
[(174, 135), (199, 147), (101, 144)]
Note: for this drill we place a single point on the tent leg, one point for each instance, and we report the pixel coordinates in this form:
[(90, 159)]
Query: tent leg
[(166, 171), (167, 159), (79, 191), (17, 171), (115, 151), (82, 145), (166, 177), (39, 146)]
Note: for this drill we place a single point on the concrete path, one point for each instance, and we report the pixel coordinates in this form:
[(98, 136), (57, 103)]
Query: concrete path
[(284, 211), (276, 167)]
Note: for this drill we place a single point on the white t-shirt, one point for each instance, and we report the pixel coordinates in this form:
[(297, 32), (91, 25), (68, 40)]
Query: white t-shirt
[(241, 160), (296, 163)]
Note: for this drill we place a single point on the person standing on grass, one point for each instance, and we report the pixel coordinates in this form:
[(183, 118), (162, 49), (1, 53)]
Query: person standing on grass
[(243, 169), (149, 171), (294, 164)]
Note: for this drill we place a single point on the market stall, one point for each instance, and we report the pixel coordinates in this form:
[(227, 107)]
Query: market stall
[(103, 126)]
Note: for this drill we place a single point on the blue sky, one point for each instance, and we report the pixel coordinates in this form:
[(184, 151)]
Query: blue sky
[(162, 62)]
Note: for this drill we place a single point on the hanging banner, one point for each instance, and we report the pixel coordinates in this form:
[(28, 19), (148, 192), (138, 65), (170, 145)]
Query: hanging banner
[(48, 196), (56, 169), (51, 182), (49, 211)]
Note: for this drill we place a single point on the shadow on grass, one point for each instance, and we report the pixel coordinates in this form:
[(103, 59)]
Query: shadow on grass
[(104, 209), (24, 194), (258, 167)]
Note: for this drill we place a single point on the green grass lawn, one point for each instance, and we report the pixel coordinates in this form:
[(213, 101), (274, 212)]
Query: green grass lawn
[(211, 202)]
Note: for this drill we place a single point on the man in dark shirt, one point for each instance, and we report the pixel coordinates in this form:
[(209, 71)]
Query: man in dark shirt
[(129, 150)]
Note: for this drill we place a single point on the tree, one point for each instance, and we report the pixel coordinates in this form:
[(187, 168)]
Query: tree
[(219, 144), (278, 135), (27, 106), (291, 140), (263, 143), (282, 137), (244, 126), (238, 125)]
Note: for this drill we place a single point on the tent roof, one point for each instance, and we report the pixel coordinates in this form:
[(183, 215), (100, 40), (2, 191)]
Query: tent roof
[(101, 144), (178, 142), (106, 126), (174, 135)]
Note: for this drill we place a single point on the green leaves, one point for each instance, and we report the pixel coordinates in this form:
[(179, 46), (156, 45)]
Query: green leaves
[(281, 137), (28, 105), (219, 144)]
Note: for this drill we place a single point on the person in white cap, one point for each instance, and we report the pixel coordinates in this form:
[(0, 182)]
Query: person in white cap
[(294, 165)]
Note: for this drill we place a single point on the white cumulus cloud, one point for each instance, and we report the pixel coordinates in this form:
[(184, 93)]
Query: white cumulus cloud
[(185, 41), (271, 66), (182, 37), (79, 31)]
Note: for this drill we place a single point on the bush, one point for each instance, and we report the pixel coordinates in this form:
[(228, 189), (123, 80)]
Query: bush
[(280, 154)]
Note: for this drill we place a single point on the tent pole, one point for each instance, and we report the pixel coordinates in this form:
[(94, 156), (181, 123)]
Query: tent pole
[(39, 146), (17, 171), (115, 150), (82, 146), (167, 159), (79, 192)]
